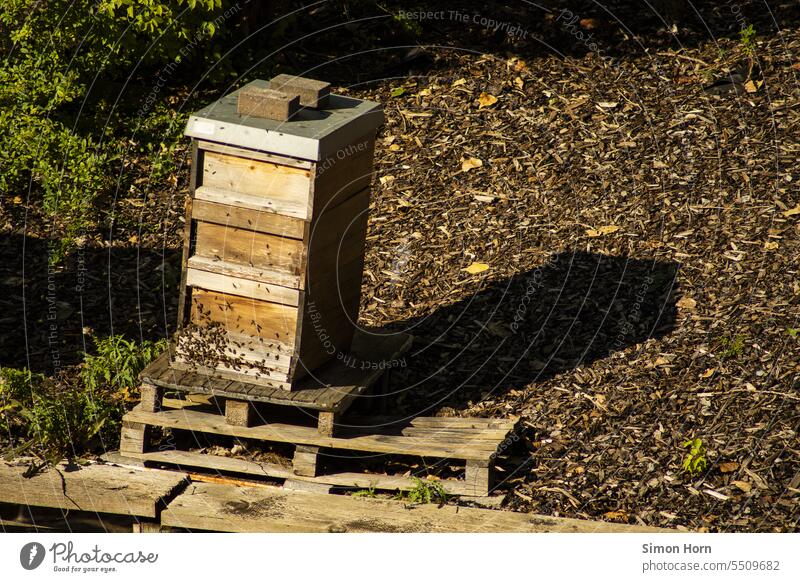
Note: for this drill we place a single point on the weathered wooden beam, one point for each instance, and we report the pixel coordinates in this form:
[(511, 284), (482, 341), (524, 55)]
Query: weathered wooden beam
[(239, 412), (305, 461), (95, 487), (217, 507)]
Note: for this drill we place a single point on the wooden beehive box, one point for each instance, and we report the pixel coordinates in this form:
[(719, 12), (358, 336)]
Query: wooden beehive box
[(274, 244)]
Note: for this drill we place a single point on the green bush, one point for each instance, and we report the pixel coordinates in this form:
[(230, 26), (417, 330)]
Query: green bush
[(50, 54), (58, 418), (118, 362)]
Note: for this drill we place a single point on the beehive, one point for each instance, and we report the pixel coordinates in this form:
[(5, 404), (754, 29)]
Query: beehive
[(274, 243)]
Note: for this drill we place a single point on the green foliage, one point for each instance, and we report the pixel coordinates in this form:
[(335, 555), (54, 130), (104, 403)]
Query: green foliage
[(118, 362), (54, 420), (368, 492), (425, 491), (732, 347), (50, 54), (695, 461), (746, 39), (792, 331)]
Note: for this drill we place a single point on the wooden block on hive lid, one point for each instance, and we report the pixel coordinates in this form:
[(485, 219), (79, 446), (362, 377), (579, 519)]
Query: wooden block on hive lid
[(267, 103), (312, 93)]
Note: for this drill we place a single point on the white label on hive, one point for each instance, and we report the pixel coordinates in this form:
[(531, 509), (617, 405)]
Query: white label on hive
[(204, 127)]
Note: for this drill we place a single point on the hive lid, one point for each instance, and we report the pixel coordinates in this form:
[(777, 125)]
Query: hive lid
[(312, 134)]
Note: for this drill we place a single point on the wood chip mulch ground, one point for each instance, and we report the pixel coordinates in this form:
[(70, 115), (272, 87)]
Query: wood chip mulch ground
[(609, 252)]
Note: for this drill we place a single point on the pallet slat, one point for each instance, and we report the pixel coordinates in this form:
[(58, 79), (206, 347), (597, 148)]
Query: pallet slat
[(299, 435)]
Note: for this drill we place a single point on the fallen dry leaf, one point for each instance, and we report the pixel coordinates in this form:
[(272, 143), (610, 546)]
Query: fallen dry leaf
[(459, 83), (602, 230), (614, 515), (753, 86), (792, 211), (519, 82), (770, 245), (708, 373), (470, 163), (743, 485), (486, 100), (386, 179), (476, 268), (686, 303), (728, 467)]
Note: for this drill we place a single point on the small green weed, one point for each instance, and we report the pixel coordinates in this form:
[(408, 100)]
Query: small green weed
[(792, 331), (746, 38), (732, 347), (425, 491), (695, 461), (368, 492)]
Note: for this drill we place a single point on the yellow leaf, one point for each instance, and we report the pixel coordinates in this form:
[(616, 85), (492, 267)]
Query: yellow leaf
[(459, 82), (728, 467), (753, 86), (424, 93), (134, 239), (17, 200), (770, 245), (792, 211), (386, 179), (519, 82), (470, 163), (686, 303), (743, 485), (476, 268), (615, 515), (708, 373), (486, 100), (394, 147), (602, 230)]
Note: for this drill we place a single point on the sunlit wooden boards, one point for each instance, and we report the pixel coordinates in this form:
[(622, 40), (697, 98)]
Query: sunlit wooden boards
[(274, 241)]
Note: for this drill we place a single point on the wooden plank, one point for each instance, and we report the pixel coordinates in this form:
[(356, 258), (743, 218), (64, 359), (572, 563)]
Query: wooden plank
[(247, 247), (195, 421), (248, 201), (244, 287), (449, 423), (254, 155), (259, 221), (263, 275), (218, 507), (187, 460), (277, 182), (256, 378), (242, 315), (94, 487)]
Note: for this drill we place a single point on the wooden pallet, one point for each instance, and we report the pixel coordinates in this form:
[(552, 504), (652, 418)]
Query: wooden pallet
[(471, 441), (328, 393)]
